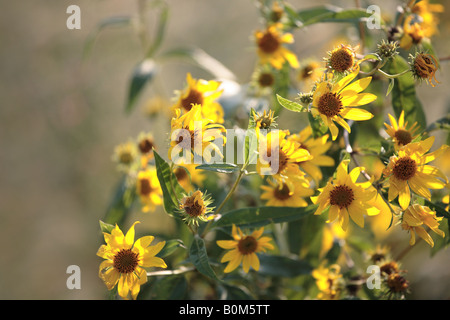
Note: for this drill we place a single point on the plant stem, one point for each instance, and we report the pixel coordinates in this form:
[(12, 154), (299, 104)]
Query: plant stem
[(393, 76)]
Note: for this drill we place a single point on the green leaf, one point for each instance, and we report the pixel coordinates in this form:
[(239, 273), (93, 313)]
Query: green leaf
[(327, 13), (404, 93), (442, 123), (199, 258), (170, 247), (169, 288), (290, 105), (201, 59), (390, 87), (108, 22), (232, 292), (143, 73), (280, 266), (121, 203), (106, 227), (439, 208), (260, 216), (219, 167), (317, 125), (251, 140), (161, 29), (171, 189)]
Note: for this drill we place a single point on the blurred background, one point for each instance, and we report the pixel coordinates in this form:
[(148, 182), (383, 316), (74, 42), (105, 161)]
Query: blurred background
[(62, 114)]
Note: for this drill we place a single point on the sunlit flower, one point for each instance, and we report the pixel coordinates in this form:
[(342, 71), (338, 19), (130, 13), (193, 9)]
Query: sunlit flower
[(149, 189), (192, 134), (446, 198), (310, 72), (332, 233), (336, 102), (328, 281), (125, 155), (424, 67), (317, 147), (289, 193), (342, 59), (428, 18), (125, 260), (243, 249), (264, 121), (195, 207), (270, 47), (409, 170), (416, 218), (204, 93), (145, 143), (345, 197), (413, 33), (400, 133), (283, 162)]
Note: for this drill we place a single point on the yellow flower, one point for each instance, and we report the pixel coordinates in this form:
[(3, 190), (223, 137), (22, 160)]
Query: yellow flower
[(342, 59), (446, 198), (328, 281), (149, 189), (336, 102), (287, 194), (429, 20), (125, 260), (332, 233), (194, 207), (187, 176), (309, 73), (195, 135), (125, 154), (413, 33), (317, 147), (415, 218), (204, 93), (345, 197), (243, 249), (270, 47), (409, 169), (283, 162), (145, 143), (399, 132)]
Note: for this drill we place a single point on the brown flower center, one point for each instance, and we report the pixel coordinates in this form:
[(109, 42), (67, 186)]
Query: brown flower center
[(307, 71), (183, 139), (145, 187), (342, 196), (268, 43), (180, 174), (404, 168), (282, 193), (266, 80), (126, 157), (247, 245), (192, 207), (341, 60), (403, 137), (397, 283), (126, 261), (424, 66), (145, 146), (194, 97), (330, 104)]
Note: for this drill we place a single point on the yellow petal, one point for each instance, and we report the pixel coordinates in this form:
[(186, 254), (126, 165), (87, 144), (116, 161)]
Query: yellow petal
[(356, 114), (359, 99)]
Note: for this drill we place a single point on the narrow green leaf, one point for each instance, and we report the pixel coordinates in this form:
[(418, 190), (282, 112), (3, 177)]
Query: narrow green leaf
[(161, 29), (108, 22), (199, 258), (171, 189), (251, 140), (170, 247), (219, 167), (290, 105), (390, 87), (143, 73), (106, 227), (260, 216), (324, 14), (201, 59), (442, 123)]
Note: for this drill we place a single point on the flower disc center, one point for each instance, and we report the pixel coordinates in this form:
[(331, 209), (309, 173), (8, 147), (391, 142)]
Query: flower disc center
[(330, 105), (268, 43), (247, 245), (405, 168), (126, 261), (342, 196)]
